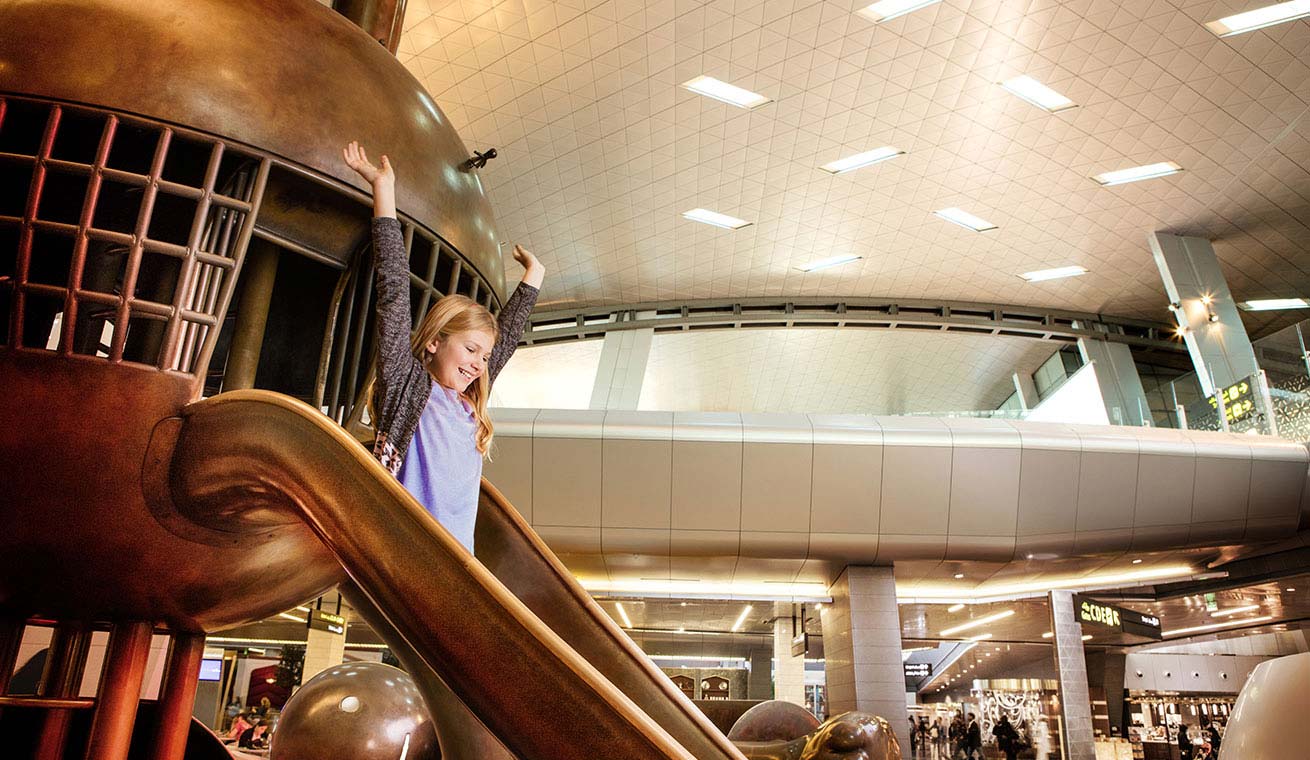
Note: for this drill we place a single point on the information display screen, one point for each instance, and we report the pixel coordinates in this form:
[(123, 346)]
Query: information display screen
[(918, 669), (211, 670), (326, 621)]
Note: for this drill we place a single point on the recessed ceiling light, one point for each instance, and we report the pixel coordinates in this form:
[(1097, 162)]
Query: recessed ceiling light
[(1260, 18), (1042, 275), (1269, 304), (965, 219), (886, 10), (980, 621), (1137, 561), (726, 93), (1289, 590), (715, 218), (741, 618), (955, 608), (1048, 635), (1234, 610), (958, 576), (1137, 173), (861, 160), (828, 263), (1087, 637), (1038, 94), (1212, 626)]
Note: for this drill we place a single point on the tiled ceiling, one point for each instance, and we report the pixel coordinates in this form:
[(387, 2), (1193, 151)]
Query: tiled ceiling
[(789, 370), (601, 150)]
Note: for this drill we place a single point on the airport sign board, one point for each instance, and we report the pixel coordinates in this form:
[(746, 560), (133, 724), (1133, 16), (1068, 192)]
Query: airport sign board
[(1089, 611), (918, 669), (326, 621)]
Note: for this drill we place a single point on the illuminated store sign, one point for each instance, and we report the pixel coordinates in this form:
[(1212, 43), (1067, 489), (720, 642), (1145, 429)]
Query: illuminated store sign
[(1091, 612), (918, 669), (326, 621)]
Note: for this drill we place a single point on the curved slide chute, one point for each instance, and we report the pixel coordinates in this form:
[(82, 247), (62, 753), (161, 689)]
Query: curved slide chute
[(512, 638)]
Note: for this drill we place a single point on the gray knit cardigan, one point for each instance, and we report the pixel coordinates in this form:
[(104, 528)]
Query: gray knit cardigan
[(402, 384)]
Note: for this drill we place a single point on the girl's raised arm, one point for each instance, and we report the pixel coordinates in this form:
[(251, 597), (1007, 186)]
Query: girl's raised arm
[(392, 269), (513, 319)]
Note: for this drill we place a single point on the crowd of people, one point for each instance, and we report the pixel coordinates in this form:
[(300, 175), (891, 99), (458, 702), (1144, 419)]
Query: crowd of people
[(962, 737)]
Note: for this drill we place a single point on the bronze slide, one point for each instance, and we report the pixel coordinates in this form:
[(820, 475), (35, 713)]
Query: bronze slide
[(513, 638)]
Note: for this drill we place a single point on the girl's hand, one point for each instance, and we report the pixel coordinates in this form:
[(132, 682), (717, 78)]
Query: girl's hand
[(534, 272), (357, 159)]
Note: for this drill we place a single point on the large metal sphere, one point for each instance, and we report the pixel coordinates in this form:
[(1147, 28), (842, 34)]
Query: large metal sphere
[(291, 77), (773, 721), (853, 736), (363, 711), (1268, 721)]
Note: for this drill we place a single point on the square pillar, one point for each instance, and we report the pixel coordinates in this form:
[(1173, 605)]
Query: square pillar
[(760, 683), (1071, 672), (862, 647), (323, 650), (788, 671), (622, 369)]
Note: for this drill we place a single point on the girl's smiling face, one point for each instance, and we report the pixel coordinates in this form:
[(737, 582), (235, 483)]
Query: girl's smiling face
[(461, 358)]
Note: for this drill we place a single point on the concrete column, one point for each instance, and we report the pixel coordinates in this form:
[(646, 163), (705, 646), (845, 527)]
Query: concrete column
[(760, 684), (1071, 672), (1121, 386), (1196, 284), (862, 647), (622, 369), (788, 671), (1027, 390), (323, 650)]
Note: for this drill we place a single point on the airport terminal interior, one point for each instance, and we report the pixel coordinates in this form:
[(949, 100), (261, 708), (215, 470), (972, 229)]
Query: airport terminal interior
[(914, 380)]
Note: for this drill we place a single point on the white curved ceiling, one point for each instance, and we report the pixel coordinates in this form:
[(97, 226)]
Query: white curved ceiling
[(601, 150)]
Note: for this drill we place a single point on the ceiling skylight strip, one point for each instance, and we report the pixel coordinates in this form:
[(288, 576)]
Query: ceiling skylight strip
[(726, 93), (1038, 94), (1260, 18), (706, 216), (886, 10), (861, 160), (1138, 173), (965, 219)]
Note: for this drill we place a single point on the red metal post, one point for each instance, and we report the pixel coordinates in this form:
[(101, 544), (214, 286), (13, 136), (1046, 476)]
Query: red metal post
[(177, 696), (120, 689)]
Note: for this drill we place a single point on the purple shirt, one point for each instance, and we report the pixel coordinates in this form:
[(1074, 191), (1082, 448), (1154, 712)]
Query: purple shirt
[(443, 467)]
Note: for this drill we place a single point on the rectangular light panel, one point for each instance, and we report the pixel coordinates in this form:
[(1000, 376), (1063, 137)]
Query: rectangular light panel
[(965, 219), (715, 218), (1038, 94), (1138, 173), (1260, 18), (861, 160), (828, 263), (1053, 274), (727, 93), (1271, 304), (886, 10)]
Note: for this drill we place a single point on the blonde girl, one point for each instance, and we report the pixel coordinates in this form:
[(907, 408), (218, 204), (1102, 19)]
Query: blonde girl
[(429, 402)]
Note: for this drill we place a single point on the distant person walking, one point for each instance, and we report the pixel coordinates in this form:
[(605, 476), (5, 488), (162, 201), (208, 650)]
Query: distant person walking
[(1007, 739), (973, 738)]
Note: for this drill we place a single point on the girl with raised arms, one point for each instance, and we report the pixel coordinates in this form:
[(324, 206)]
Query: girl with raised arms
[(429, 399)]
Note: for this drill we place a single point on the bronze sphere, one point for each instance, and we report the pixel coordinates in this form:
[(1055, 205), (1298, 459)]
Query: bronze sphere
[(362, 710)]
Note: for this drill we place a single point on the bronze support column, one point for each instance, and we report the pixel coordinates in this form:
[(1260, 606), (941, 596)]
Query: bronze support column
[(382, 19), (61, 679), (119, 692), (257, 276), (177, 696), (11, 638)]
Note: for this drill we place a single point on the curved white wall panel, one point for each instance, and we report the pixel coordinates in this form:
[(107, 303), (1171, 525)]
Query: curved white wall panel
[(865, 489)]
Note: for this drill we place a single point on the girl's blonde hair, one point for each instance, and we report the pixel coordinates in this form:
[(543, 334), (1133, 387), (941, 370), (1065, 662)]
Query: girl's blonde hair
[(455, 314)]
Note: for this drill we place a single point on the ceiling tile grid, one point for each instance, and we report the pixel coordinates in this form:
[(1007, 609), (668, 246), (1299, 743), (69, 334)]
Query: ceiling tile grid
[(601, 150)]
